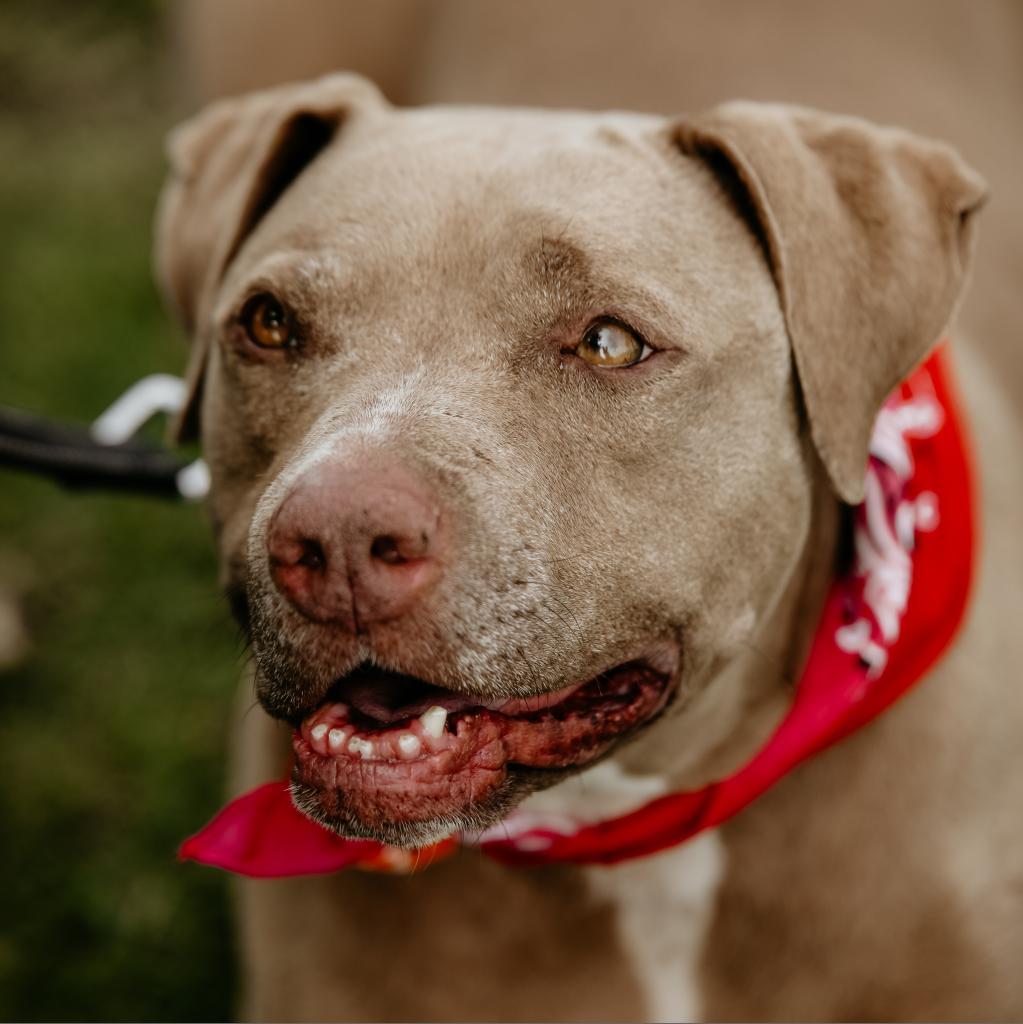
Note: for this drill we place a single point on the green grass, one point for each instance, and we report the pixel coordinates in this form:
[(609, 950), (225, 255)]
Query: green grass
[(112, 728)]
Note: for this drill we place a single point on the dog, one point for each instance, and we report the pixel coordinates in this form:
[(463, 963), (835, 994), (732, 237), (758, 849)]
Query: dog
[(546, 427)]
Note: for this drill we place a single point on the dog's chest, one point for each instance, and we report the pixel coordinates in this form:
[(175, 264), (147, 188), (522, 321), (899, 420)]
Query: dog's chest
[(663, 910)]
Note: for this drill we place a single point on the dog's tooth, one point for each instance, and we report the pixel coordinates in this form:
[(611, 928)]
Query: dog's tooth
[(317, 733), (409, 745), (363, 748), (433, 720), (336, 739)]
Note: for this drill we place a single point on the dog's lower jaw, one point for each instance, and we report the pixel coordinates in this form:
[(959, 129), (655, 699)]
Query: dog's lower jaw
[(332, 812)]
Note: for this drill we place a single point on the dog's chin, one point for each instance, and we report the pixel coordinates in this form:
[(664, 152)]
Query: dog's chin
[(354, 818), (395, 759)]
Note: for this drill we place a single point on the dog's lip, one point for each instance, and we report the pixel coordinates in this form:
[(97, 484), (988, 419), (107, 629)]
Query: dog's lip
[(353, 768)]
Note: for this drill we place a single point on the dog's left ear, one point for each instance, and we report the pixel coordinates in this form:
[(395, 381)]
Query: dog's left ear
[(229, 165), (869, 235)]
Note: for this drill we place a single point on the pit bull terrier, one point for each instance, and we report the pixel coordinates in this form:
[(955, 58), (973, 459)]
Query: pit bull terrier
[(535, 440)]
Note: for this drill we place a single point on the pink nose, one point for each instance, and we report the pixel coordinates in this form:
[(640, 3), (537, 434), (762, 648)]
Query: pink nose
[(355, 545)]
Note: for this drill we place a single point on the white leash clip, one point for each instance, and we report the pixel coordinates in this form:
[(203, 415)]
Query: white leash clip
[(157, 393)]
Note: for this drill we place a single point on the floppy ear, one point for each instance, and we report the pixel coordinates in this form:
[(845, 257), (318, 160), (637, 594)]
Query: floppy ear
[(869, 235), (229, 165)]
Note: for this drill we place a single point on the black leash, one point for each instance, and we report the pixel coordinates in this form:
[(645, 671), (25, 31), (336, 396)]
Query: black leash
[(72, 455)]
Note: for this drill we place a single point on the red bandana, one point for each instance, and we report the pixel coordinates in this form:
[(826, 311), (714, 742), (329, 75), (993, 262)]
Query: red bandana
[(883, 626)]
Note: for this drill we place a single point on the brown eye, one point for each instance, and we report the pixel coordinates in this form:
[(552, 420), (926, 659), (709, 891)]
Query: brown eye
[(610, 345), (268, 323)]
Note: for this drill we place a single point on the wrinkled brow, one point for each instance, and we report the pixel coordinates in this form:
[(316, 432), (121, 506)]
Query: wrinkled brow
[(556, 259), (564, 271)]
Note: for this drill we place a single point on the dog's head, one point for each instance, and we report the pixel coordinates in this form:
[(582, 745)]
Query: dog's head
[(517, 420)]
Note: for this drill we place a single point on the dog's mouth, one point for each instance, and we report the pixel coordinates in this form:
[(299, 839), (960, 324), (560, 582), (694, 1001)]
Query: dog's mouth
[(395, 758)]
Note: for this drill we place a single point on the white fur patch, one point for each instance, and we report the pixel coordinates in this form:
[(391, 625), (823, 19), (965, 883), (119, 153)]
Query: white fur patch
[(664, 907), (601, 792)]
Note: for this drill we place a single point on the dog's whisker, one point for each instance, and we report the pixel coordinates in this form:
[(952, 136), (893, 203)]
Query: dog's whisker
[(576, 628)]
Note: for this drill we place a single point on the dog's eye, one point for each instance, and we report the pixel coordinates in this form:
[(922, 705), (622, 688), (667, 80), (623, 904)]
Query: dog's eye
[(268, 323), (611, 345)]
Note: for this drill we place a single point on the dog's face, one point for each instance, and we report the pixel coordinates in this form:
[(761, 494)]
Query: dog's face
[(509, 457), (459, 304)]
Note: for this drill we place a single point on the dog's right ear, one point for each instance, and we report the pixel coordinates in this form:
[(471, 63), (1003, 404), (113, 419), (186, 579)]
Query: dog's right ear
[(229, 165)]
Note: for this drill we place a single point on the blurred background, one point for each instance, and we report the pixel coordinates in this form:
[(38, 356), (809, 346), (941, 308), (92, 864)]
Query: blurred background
[(118, 661), (117, 658)]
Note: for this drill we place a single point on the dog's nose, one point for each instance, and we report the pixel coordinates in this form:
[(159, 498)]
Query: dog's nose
[(353, 546)]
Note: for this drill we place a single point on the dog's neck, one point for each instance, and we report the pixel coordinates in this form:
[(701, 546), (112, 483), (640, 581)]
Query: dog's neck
[(752, 693)]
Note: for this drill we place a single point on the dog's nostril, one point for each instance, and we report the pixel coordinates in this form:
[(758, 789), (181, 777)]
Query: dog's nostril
[(312, 556), (386, 549)]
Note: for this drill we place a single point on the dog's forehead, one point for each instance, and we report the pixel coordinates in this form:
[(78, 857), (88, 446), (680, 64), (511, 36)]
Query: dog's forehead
[(413, 177), (470, 141)]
